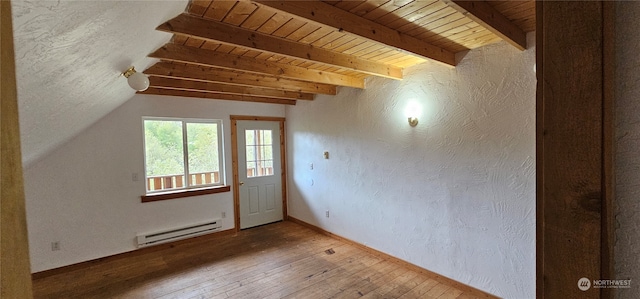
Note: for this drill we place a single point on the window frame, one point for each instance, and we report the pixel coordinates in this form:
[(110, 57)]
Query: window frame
[(256, 156), (187, 189)]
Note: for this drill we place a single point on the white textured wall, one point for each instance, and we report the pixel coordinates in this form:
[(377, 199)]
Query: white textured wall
[(69, 59), (456, 194), (82, 194), (627, 246)]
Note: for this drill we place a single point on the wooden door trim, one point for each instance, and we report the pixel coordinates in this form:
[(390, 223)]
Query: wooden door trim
[(608, 159), (539, 165), (234, 162), (15, 273), (578, 189)]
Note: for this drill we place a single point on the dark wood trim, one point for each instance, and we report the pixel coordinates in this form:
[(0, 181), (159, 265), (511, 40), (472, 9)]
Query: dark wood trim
[(435, 276), (14, 242), (234, 162), (488, 17), (131, 254), (539, 153), (607, 261), (575, 147), (184, 193)]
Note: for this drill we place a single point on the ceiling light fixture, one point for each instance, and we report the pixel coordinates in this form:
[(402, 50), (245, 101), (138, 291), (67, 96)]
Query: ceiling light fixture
[(137, 81)]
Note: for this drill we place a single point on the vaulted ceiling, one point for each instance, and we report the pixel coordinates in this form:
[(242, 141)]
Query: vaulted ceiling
[(285, 51), (70, 54)]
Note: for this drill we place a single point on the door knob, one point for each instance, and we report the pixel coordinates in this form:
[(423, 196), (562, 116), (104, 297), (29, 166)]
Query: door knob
[(241, 183)]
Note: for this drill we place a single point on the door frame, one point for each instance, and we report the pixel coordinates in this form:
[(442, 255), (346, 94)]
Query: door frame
[(15, 273), (234, 162), (574, 194)]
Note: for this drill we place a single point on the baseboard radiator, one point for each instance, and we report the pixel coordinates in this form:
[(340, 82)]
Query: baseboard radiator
[(178, 233)]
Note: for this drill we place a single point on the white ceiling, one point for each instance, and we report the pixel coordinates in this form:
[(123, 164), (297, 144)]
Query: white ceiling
[(69, 57)]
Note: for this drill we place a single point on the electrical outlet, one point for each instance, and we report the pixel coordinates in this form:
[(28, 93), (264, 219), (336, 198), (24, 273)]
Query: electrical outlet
[(327, 213), (55, 246), (224, 214)]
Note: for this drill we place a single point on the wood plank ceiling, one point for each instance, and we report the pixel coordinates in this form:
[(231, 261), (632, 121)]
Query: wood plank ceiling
[(284, 51)]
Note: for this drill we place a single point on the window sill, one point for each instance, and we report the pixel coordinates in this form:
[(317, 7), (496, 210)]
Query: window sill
[(184, 193)]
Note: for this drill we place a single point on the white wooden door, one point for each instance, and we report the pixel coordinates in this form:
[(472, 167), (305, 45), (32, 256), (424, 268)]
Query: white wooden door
[(259, 172)]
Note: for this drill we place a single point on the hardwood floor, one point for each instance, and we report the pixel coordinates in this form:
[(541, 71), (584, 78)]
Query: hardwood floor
[(281, 260)]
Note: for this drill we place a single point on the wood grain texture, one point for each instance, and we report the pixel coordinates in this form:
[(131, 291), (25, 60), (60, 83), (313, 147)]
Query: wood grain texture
[(129, 254), (15, 278), (540, 203), (220, 32), (337, 42), (283, 167), (198, 7), (487, 16), (281, 260), (203, 57), (521, 13), (234, 170), (327, 15), (607, 260), (468, 290), (189, 85), (574, 148), (199, 73), (234, 161), (215, 96), (264, 118)]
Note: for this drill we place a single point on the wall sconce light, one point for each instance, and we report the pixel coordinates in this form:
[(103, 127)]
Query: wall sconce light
[(412, 111), (137, 81), (413, 121)]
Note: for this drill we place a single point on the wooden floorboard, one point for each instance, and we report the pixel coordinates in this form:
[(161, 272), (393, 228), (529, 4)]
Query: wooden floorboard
[(280, 260)]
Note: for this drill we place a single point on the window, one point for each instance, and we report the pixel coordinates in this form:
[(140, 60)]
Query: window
[(259, 153), (182, 154)]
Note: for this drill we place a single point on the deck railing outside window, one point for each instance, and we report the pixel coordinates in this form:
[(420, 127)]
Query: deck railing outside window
[(176, 181)]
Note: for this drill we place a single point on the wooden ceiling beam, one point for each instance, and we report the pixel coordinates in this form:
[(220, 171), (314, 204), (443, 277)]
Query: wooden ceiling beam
[(189, 85), (327, 15), (211, 30), (215, 96), (484, 14), (192, 55), (199, 73)]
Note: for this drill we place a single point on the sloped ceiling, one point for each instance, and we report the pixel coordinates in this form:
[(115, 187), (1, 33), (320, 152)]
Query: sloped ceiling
[(69, 57), (277, 51), (70, 54)]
